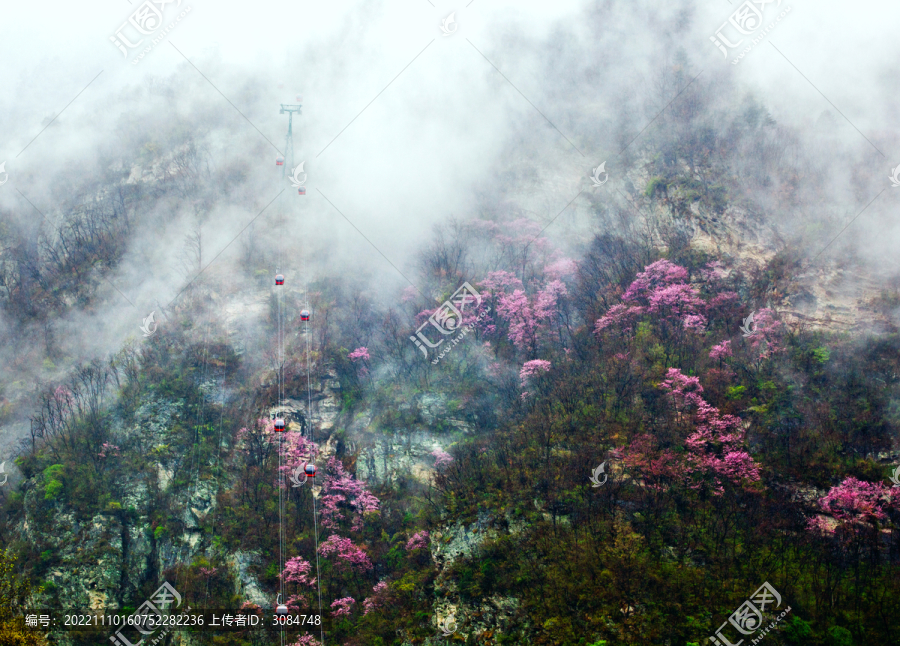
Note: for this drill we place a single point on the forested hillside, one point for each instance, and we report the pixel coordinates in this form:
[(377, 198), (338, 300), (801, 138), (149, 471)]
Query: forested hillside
[(610, 437)]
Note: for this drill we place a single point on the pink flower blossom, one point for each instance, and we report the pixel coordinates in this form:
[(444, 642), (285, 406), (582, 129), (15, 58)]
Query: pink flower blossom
[(340, 487), (441, 458), (719, 352), (346, 552), (661, 289), (714, 451), (561, 268), (342, 606), (499, 281), (297, 570), (417, 541), (409, 294), (767, 334), (378, 598), (307, 640), (856, 505), (360, 353), (531, 368)]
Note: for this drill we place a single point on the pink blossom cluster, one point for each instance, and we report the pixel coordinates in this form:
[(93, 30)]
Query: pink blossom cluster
[(207, 572), (360, 353), (417, 541), (346, 551), (297, 570), (721, 351), (525, 315), (342, 606), (532, 368), (296, 451), (341, 488), (377, 600), (714, 449), (767, 333), (441, 458), (663, 291), (560, 268), (856, 504), (307, 640)]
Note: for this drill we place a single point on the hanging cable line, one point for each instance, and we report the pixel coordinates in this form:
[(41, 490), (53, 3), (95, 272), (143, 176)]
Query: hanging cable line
[(304, 315)]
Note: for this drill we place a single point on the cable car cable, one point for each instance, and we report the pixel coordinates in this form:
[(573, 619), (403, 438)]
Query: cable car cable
[(315, 512)]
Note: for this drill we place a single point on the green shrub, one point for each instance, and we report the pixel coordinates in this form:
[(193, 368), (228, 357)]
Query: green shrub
[(838, 636), (797, 630)]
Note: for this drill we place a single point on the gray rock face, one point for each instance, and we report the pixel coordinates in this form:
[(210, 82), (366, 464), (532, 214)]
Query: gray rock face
[(245, 584)]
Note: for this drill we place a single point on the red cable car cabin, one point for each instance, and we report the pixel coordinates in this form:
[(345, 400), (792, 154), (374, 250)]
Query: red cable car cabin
[(310, 470), (304, 315), (279, 161), (279, 425), (301, 190), (279, 279)]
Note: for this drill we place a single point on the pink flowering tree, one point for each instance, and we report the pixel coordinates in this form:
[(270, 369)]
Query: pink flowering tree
[(529, 374), (298, 571), (307, 640), (766, 338), (528, 317), (345, 554), (417, 541), (721, 351), (378, 598), (344, 493), (342, 607), (663, 292), (855, 509), (532, 368), (441, 458), (360, 356), (712, 453), (296, 452)]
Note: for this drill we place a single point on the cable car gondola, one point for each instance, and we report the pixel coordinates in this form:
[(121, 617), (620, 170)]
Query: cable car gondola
[(280, 608), (304, 315), (301, 190), (279, 279), (310, 470), (279, 161), (279, 425)]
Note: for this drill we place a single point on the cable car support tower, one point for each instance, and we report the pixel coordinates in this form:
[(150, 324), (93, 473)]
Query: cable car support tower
[(290, 108)]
